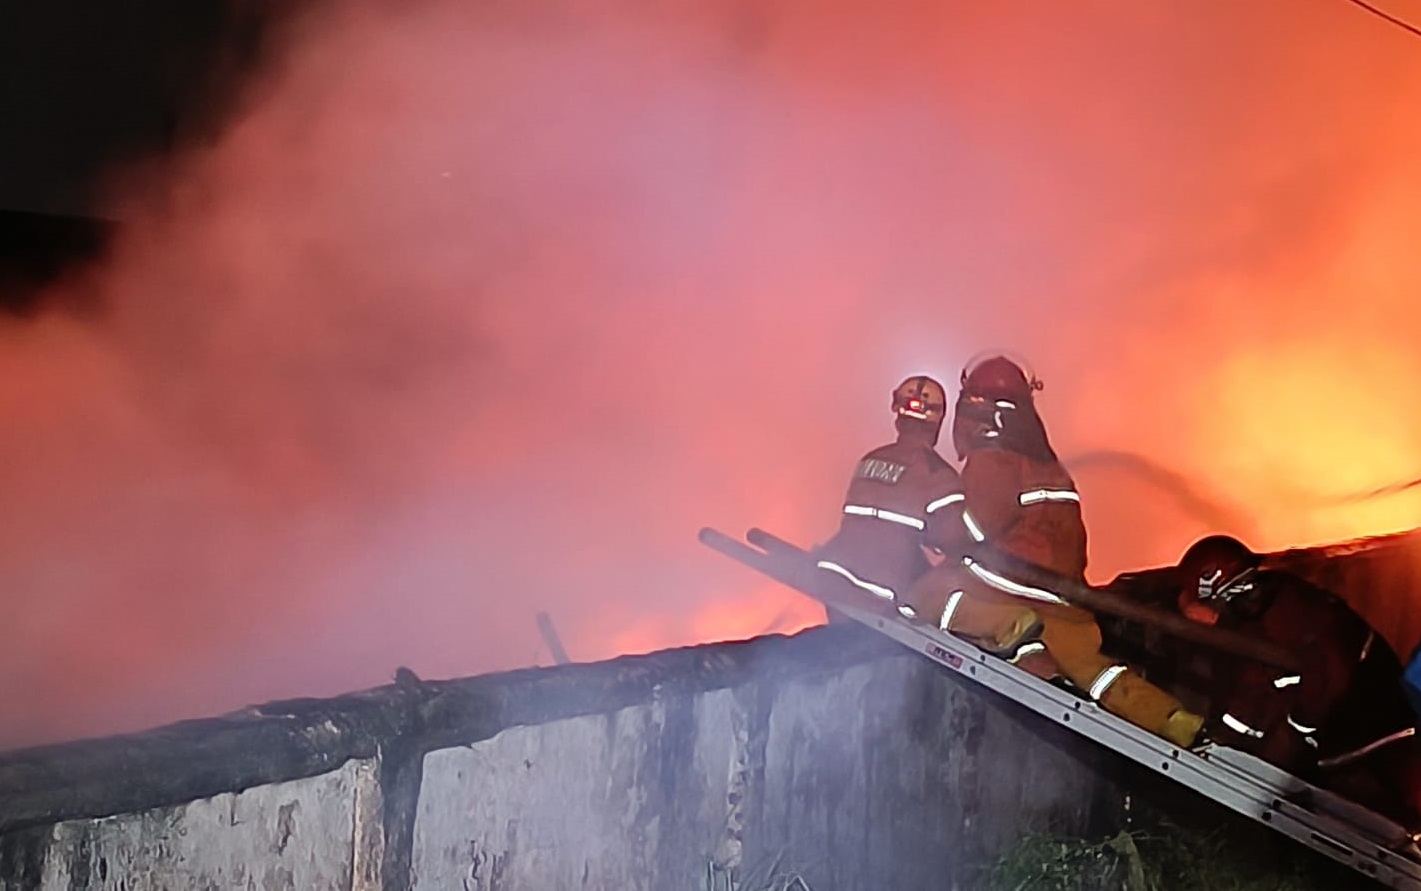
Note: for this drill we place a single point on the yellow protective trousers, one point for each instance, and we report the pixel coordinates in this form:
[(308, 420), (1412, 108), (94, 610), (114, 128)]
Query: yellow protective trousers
[(962, 604)]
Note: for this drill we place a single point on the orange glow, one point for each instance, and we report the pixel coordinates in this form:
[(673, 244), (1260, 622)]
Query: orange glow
[(482, 309), (1306, 428), (762, 609)]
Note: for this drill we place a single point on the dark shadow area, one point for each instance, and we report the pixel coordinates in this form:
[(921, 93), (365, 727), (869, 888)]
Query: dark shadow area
[(36, 249), (87, 85)]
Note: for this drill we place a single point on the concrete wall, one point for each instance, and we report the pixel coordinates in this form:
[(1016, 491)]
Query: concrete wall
[(855, 764), (885, 774), (317, 834)]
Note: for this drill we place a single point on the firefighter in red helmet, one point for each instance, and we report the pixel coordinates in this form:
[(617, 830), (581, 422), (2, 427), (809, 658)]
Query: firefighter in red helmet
[(894, 490), (1020, 501), (1342, 720)]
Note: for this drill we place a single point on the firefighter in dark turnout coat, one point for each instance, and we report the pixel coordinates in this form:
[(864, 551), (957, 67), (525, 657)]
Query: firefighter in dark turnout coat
[(1345, 708), (1021, 501), (894, 490)]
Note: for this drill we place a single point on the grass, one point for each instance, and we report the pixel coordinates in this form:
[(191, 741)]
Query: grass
[(770, 875), (1169, 858)]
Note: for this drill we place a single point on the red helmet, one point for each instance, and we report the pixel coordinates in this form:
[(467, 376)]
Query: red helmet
[(992, 376), (1217, 575), (921, 398), (993, 387)]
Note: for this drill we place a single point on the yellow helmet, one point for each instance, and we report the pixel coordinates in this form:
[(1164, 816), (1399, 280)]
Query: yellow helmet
[(921, 398)]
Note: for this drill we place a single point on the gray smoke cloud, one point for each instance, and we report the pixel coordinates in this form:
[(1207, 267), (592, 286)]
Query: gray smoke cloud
[(480, 310)]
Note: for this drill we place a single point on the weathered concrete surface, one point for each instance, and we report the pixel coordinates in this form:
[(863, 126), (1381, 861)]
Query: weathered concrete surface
[(197, 759), (316, 834), (885, 774), (859, 763), (599, 801)]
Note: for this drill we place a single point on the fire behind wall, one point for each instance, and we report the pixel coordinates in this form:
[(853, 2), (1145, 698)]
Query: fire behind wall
[(481, 309)]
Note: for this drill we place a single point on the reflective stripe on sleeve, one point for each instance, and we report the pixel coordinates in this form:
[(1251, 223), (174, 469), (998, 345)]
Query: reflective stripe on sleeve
[(1299, 727), (1027, 649), (876, 590), (1288, 681), (1037, 496), (1238, 726), (953, 599), (1002, 583), (901, 519), (860, 510), (944, 501), (972, 528), (1102, 681)]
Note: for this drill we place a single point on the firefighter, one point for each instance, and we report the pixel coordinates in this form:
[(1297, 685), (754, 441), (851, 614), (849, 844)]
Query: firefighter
[(1342, 720), (894, 490), (1020, 501)]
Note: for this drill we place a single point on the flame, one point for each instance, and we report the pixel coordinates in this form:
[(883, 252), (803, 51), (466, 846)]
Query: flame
[(755, 610), (1309, 434), (475, 310)]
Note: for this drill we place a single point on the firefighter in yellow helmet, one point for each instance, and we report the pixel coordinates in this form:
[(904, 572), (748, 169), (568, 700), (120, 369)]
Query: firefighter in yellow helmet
[(1021, 501), (894, 490)]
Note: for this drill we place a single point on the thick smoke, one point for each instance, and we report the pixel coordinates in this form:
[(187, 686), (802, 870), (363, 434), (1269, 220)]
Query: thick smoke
[(482, 309)]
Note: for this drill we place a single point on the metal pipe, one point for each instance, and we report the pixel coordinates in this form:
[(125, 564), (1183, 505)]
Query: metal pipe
[(1102, 600), (1349, 757), (550, 637)]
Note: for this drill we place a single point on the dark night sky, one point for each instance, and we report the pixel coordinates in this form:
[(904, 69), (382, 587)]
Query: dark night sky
[(87, 83)]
